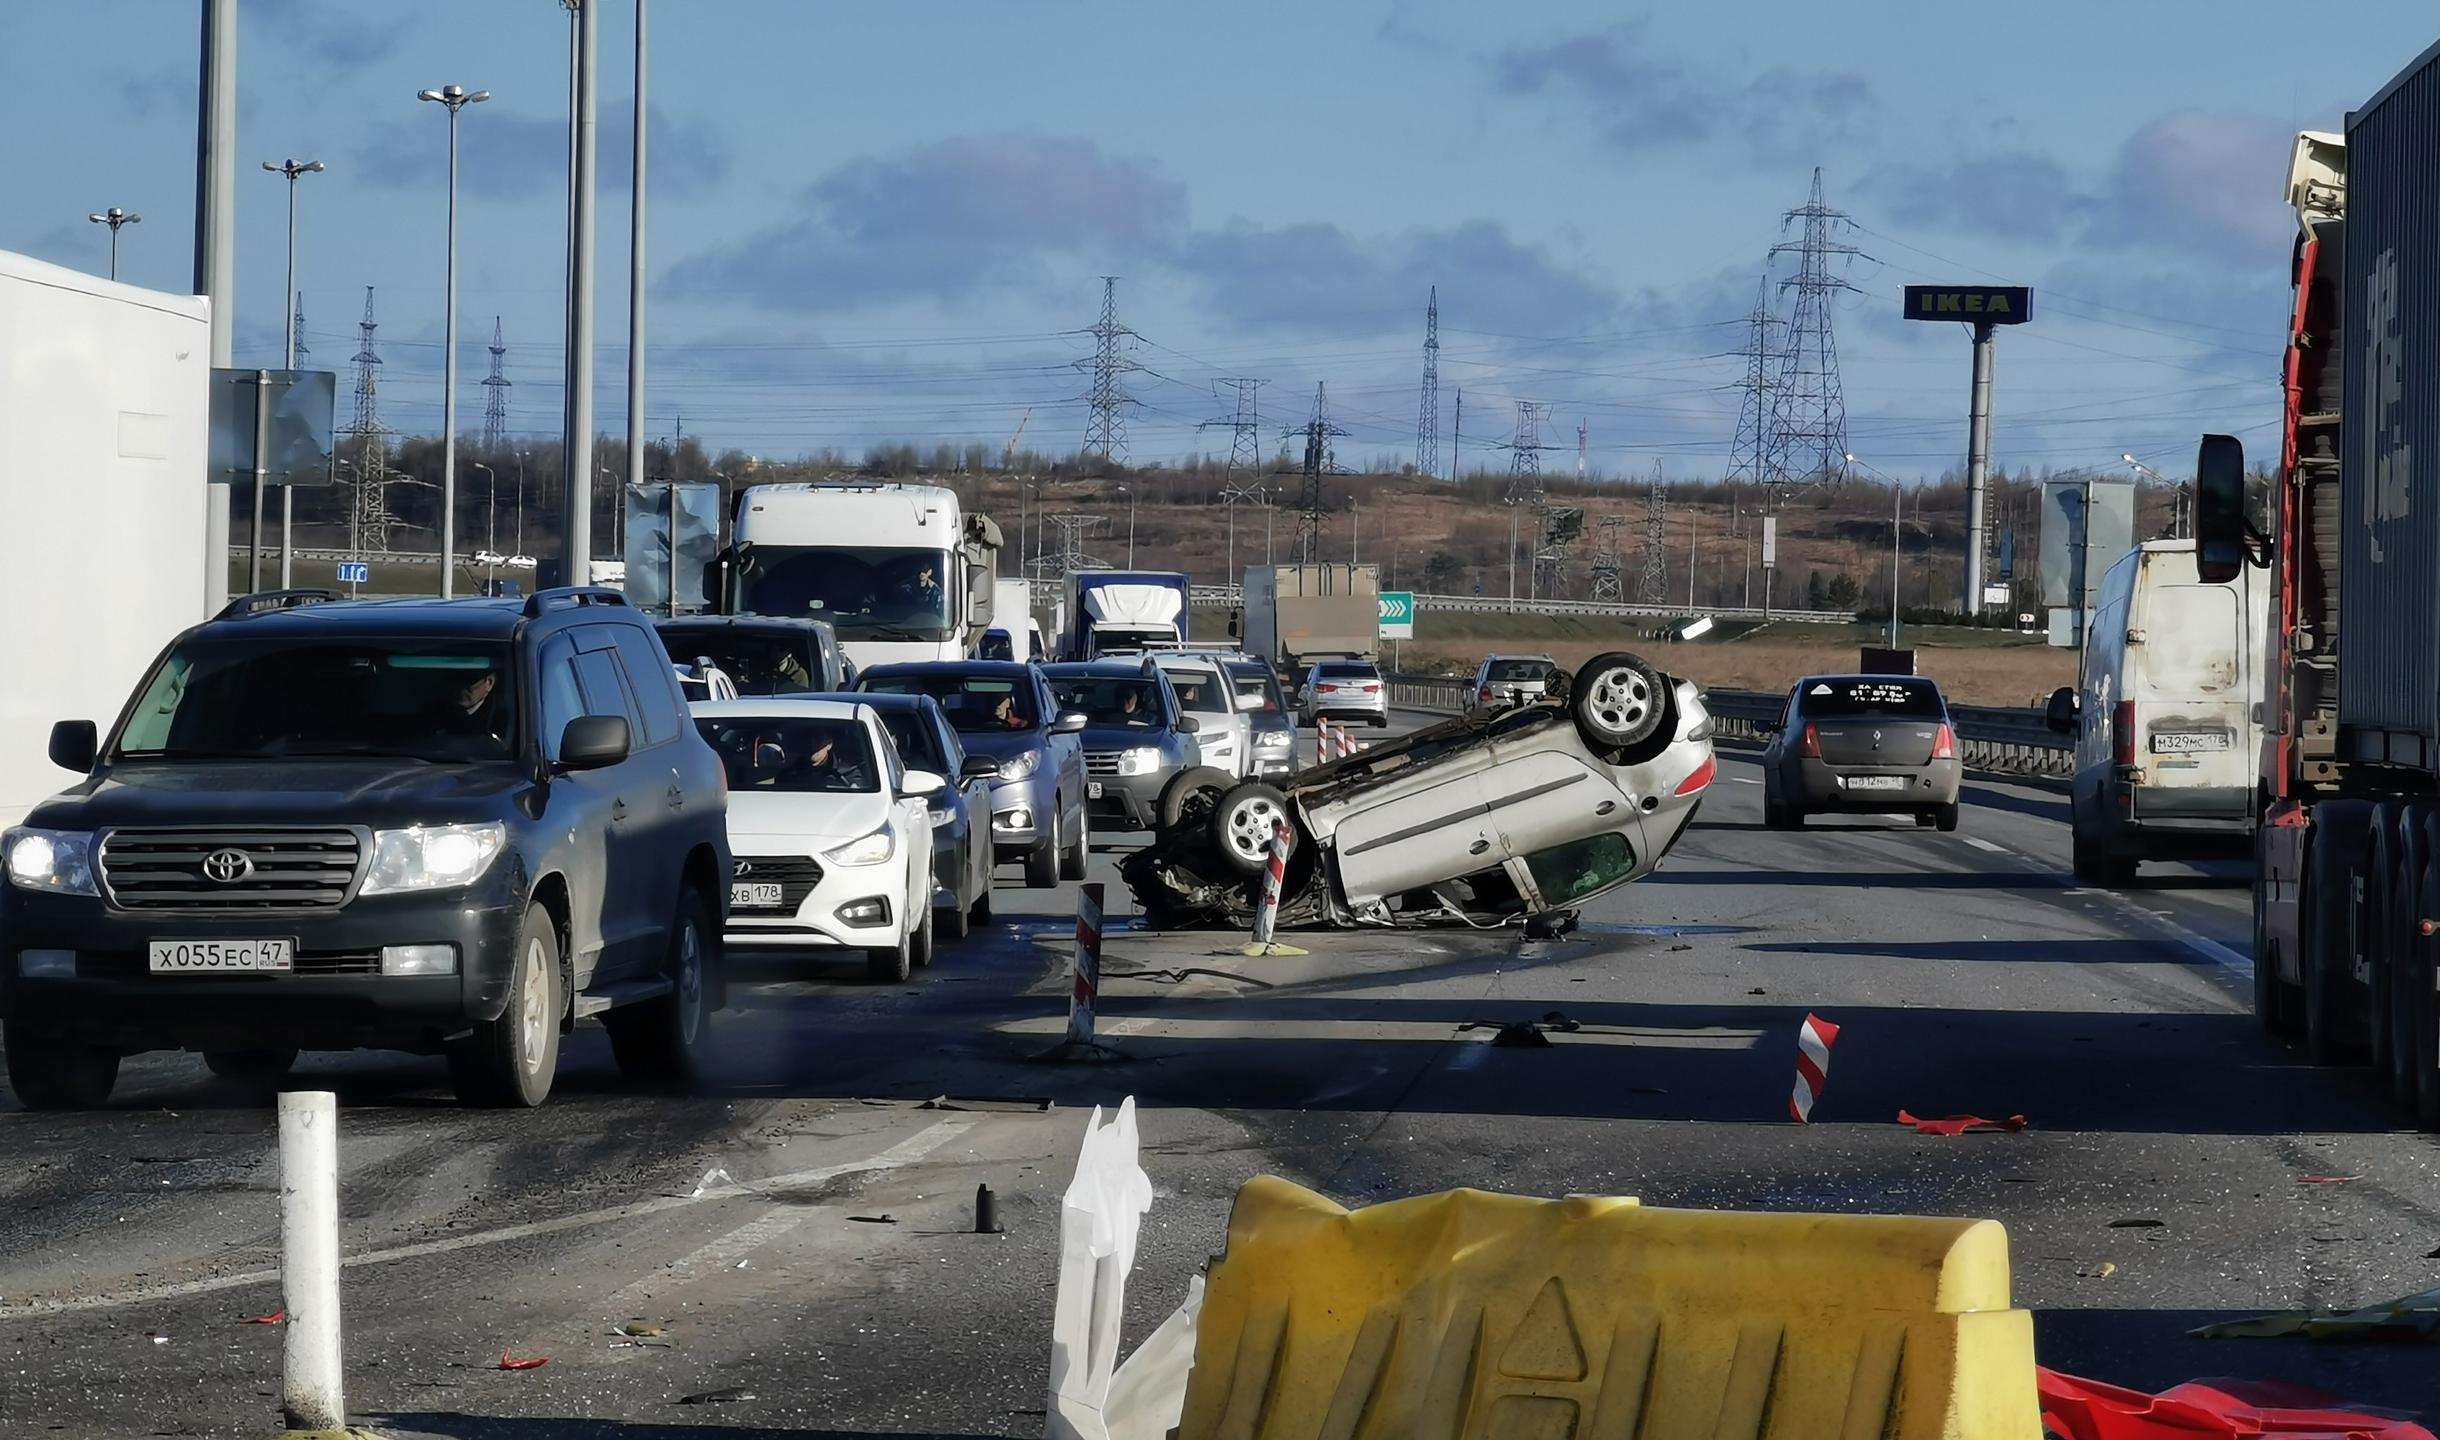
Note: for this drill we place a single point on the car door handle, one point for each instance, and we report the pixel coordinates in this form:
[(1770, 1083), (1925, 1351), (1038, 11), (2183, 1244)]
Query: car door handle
[(1478, 847), (618, 809), (1605, 807), (677, 797)]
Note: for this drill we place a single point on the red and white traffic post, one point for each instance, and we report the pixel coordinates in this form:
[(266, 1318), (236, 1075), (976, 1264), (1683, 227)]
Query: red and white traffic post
[(1274, 879), (1088, 964)]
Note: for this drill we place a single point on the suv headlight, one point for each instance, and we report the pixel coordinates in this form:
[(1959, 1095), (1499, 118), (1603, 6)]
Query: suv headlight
[(873, 849), (1274, 737), (1142, 760), (60, 861), (432, 857), (1021, 765)]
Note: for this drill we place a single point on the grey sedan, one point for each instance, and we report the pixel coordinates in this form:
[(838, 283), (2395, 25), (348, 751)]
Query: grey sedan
[(1868, 744)]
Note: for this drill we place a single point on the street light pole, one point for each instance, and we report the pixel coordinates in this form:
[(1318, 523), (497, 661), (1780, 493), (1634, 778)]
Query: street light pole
[(114, 217), (288, 505), (2178, 529), (454, 98)]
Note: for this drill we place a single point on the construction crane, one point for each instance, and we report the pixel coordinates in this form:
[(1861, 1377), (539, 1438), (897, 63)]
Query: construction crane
[(1008, 455)]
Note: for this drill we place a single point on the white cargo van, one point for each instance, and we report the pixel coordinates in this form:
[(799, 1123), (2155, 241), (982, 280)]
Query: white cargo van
[(2167, 736)]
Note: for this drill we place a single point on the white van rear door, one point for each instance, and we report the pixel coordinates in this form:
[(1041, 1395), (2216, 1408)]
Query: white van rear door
[(2187, 680)]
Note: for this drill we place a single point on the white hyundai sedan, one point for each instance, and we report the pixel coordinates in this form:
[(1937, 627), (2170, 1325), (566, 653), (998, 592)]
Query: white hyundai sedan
[(832, 834)]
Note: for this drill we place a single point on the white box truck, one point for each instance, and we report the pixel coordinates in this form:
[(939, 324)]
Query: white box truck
[(105, 395)]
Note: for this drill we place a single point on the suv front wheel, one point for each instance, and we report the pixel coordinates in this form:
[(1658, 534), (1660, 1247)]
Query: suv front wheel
[(511, 1061), (663, 1041), (52, 1074)]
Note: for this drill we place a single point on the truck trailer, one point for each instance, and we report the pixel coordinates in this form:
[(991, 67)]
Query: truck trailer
[(2347, 882), (1293, 615), (106, 405)]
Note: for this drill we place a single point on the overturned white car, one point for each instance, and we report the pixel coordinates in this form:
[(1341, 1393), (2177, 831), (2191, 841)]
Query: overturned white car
[(1510, 816)]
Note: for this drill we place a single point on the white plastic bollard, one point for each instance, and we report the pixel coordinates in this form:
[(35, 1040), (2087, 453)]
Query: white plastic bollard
[(311, 1389)]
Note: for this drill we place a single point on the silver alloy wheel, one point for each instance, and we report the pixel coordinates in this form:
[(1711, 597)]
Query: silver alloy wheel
[(1619, 700), (690, 983), (533, 1000), (1251, 823)]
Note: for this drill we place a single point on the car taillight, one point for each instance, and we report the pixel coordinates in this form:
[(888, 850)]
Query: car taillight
[(1372, 689), (1485, 697), (1944, 744), (1812, 747), (1701, 776), (2125, 733)]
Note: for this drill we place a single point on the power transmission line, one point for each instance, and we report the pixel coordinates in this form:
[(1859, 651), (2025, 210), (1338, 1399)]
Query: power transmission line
[(1609, 565), (1812, 435), (1652, 584), (301, 349), (1105, 434), (1319, 461), (1754, 446), (1427, 422), (495, 400), (1072, 530), (369, 518)]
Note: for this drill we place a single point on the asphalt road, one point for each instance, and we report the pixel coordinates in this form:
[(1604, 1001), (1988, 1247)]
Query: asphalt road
[(838, 1283)]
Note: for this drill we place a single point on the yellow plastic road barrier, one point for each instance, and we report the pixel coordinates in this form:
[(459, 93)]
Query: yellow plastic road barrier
[(1468, 1316)]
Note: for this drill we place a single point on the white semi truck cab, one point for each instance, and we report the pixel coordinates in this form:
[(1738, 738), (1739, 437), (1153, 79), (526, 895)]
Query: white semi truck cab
[(900, 571)]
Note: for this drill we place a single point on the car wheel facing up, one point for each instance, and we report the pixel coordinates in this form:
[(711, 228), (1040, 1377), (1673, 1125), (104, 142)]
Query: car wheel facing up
[(1243, 824), (1617, 700)]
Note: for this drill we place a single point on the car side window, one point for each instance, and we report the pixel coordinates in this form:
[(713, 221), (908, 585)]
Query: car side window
[(654, 683), (560, 699), (597, 675), (894, 769), (952, 753)]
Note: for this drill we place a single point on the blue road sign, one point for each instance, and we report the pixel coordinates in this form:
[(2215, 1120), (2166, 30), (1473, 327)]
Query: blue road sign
[(355, 572)]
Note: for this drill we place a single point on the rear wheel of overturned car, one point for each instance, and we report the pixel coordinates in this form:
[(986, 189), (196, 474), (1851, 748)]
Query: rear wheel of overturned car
[(1243, 823), (252, 1067), (1204, 784), (663, 1041), (1618, 700), (511, 1061), (55, 1074)]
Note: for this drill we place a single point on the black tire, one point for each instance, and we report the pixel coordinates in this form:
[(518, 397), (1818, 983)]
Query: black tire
[(2376, 942), (979, 912), (2423, 1011), (2081, 857), (890, 965), (510, 1062), (1774, 814), (1186, 785), (1946, 817), (1618, 700), (1242, 825), (664, 1041), (950, 921), (926, 941), (2332, 850), (52, 1074), (2403, 939), (1042, 864), (251, 1067), (1073, 860), (2275, 1001)]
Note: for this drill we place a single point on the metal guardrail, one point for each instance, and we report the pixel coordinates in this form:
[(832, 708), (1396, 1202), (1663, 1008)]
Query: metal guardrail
[(1989, 737), (1050, 590)]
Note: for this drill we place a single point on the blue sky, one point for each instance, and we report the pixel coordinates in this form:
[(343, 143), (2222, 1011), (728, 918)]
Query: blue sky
[(877, 222)]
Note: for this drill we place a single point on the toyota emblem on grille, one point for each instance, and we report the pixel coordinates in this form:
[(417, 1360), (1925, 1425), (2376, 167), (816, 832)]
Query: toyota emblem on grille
[(227, 866)]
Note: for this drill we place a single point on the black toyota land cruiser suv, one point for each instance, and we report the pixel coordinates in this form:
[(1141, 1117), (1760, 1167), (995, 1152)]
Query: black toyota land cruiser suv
[(438, 826)]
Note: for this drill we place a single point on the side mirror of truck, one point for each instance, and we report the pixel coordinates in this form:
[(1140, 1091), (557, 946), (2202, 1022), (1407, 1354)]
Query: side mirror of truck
[(593, 741), (74, 745), (2219, 509), (2062, 711)]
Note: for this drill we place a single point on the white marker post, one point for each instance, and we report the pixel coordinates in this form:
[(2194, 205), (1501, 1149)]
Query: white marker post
[(310, 1383)]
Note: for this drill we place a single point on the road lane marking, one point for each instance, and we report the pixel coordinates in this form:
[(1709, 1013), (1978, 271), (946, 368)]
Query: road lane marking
[(2156, 920), (905, 1152), (1980, 843)]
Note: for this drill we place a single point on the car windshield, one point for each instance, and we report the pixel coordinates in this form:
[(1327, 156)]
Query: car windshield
[(1201, 693), (880, 593), (918, 743), (1258, 680), (1871, 697), (755, 664), (793, 753), (975, 704), (1520, 671), (402, 697), (1131, 703)]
